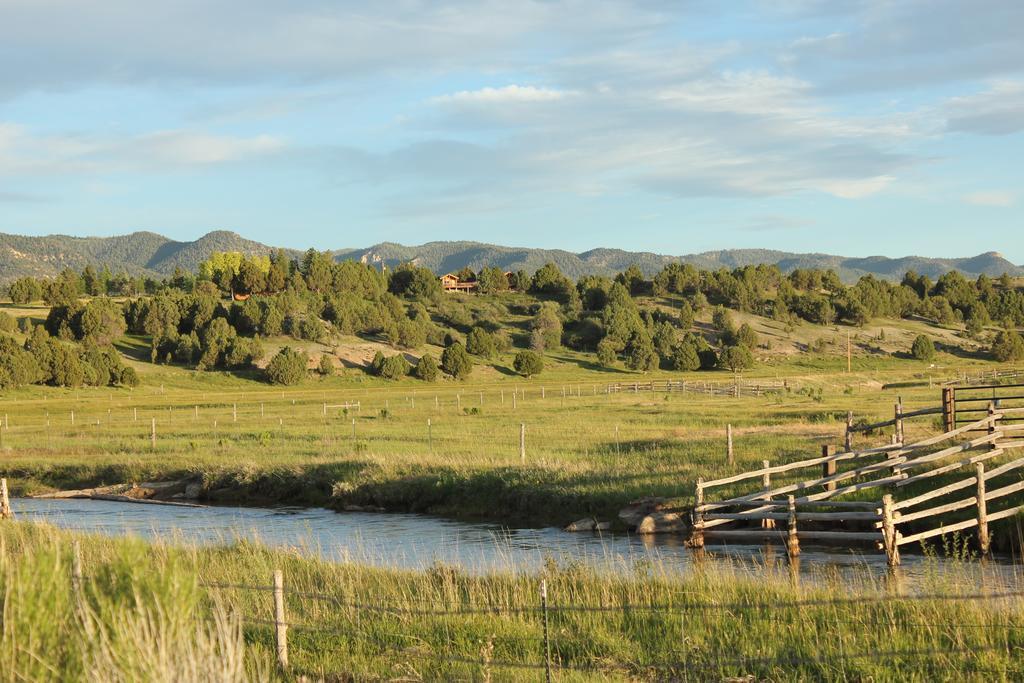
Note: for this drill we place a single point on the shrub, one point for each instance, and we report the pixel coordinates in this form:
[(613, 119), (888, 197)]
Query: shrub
[(326, 366), (608, 352), (394, 367), (528, 363), (7, 323), (287, 367), (456, 362), (923, 348), (426, 368), (128, 378)]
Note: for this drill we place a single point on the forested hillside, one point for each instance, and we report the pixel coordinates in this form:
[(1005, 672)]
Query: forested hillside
[(683, 319)]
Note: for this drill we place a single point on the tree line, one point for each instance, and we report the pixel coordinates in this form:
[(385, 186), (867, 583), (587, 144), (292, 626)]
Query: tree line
[(218, 317)]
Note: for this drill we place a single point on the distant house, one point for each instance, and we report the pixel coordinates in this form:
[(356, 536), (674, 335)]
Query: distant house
[(450, 282)]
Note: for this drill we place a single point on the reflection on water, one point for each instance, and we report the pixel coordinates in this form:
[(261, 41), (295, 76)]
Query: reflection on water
[(417, 541)]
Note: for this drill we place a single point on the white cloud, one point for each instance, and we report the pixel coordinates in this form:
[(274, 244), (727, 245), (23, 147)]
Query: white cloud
[(23, 153), (999, 110), (998, 198), (509, 94)]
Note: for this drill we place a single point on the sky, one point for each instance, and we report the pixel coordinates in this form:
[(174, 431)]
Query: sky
[(855, 128)]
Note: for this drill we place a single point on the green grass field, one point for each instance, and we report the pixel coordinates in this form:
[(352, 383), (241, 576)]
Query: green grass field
[(587, 452), (171, 613)]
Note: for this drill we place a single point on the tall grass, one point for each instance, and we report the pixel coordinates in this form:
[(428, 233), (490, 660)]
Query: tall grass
[(647, 623)]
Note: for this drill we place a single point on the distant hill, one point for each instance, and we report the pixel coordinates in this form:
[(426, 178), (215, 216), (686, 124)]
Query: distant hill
[(148, 253)]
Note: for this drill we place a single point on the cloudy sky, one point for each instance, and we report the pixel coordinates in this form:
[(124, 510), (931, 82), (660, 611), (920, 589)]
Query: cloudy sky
[(847, 127)]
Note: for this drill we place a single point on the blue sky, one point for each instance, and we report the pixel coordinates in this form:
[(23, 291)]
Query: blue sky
[(857, 128)]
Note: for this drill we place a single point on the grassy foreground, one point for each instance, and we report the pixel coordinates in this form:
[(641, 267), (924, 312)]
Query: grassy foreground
[(146, 612)]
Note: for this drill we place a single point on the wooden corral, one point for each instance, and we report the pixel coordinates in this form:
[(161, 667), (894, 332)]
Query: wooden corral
[(815, 510)]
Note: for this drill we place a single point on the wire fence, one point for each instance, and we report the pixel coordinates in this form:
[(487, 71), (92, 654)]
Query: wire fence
[(693, 665)]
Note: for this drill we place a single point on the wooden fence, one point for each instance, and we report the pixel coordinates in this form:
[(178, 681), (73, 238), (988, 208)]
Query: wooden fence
[(735, 389), (889, 467)]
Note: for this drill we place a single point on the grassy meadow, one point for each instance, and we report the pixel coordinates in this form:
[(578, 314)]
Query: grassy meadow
[(588, 452), (172, 613)]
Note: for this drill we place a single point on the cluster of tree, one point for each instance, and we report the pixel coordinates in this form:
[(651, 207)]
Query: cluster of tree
[(43, 359)]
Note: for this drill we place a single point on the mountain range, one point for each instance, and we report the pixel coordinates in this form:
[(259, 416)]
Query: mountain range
[(147, 253)]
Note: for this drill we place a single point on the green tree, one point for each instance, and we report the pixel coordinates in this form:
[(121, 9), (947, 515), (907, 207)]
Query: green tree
[(736, 358), (394, 367), (480, 342), (326, 365), (456, 362), (426, 368), (641, 355), (24, 290), (1008, 346), (922, 348), (528, 363), (685, 358), (287, 367), (608, 352), (493, 280), (102, 321)]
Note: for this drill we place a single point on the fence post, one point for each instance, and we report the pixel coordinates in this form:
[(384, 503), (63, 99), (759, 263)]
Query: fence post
[(728, 445), (849, 431), (280, 625), (697, 518), (983, 539), (152, 432), (234, 412), (430, 435), (899, 421), (76, 568), (890, 538), (547, 637), (792, 542), (828, 468), (949, 408), (766, 483), (5, 503), (522, 442)]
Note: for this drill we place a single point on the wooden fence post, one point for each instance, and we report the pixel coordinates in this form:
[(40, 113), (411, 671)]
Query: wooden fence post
[(522, 442), (728, 445), (983, 538), (828, 468), (76, 568), (430, 435), (697, 518), (766, 483), (849, 431), (949, 408), (792, 542), (889, 535), (5, 502), (547, 637), (280, 625), (234, 412), (152, 432), (900, 439)]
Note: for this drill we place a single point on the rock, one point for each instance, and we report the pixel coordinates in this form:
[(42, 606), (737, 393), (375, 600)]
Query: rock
[(634, 513), (602, 526), (193, 489), (353, 508), (586, 524), (662, 523)]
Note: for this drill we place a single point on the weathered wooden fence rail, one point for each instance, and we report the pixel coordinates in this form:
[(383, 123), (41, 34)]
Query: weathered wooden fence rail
[(891, 467)]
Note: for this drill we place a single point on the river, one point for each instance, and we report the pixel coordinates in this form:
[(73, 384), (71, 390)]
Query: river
[(417, 541)]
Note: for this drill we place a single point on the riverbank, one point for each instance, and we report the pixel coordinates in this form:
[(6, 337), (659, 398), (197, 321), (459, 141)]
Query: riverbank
[(368, 623)]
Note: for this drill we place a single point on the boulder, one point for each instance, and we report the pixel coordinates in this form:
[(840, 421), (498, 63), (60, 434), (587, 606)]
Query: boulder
[(662, 523), (634, 513), (602, 526), (586, 524), (193, 489)]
